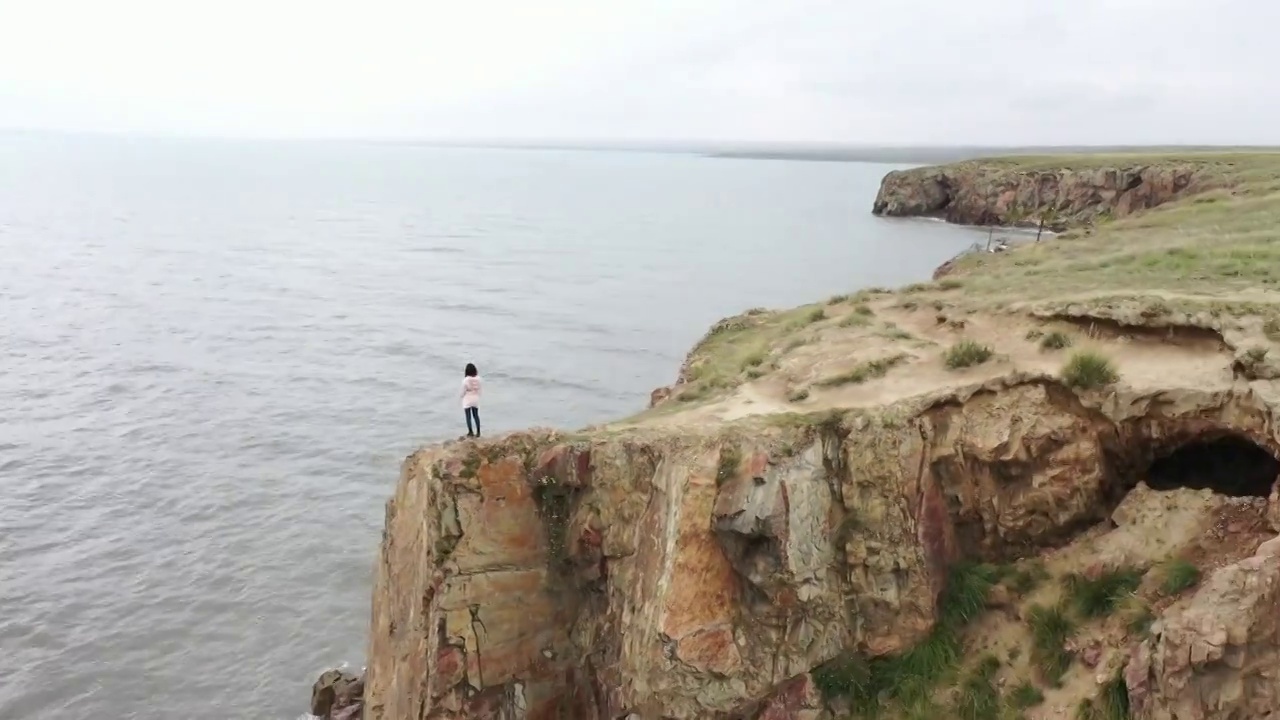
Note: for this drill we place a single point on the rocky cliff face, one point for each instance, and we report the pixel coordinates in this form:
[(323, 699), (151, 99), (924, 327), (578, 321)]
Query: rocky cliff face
[(1000, 194), (1219, 655), (690, 575), (834, 513)]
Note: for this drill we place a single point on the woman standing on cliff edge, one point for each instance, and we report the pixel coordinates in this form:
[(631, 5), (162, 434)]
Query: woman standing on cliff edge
[(471, 398)]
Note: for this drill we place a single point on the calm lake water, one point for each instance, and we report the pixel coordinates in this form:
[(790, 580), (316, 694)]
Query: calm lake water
[(215, 355)]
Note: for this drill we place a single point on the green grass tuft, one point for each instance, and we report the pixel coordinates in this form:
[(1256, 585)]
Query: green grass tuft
[(1055, 341), (1179, 575), (864, 310), (965, 596), (1050, 627), (798, 395), (1088, 370), (1025, 579), (966, 353), (692, 393), (854, 319), (1099, 597), (989, 665), (865, 371), (1025, 695), (893, 332), (977, 697), (727, 467), (1115, 699), (908, 679), (837, 299), (847, 676), (922, 709), (815, 315), (1112, 702)]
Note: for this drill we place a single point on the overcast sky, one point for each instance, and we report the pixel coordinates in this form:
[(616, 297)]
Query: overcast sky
[(850, 71)]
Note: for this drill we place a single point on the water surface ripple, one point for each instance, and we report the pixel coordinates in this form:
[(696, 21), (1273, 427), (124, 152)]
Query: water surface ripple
[(215, 355)]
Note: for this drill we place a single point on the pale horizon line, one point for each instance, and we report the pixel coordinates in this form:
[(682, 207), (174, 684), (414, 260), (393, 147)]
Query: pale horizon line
[(698, 144)]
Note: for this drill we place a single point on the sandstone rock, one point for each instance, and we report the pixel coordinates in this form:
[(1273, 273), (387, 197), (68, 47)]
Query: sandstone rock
[(1273, 510), (692, 574), (1091, 654), (351, 712), (796, 699), (977, 194), (648, 581), (337, 695), (658, 396), (1218, 656), (945, 269)]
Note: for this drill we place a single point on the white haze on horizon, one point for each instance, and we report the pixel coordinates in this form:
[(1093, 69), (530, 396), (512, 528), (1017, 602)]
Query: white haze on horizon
[(996, 72)]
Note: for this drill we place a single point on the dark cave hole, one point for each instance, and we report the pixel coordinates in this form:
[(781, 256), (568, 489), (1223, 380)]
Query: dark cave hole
[(1230, 465)]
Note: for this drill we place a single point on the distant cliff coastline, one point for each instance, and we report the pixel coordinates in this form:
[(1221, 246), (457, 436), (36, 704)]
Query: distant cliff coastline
[(997, 192)]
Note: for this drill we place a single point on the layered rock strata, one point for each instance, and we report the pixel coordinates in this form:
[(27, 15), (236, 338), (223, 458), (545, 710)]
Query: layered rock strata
[(1003, 194), (1218, 656), (690, 575)]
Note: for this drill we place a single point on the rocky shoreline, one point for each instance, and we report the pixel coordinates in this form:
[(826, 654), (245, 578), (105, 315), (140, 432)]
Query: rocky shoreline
[(835, 513)]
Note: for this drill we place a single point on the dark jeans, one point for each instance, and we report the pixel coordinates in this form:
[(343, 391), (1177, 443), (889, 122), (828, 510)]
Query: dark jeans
[(472, 412)]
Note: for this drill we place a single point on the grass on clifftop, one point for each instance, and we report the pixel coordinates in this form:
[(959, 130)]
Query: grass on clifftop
[(1211, 243), (1112, 702), (1050, 627), (742, 347), (865, 371), (1055, 340), (1179, 575), (1099, 597), (1212, 251), (1026, 695), (966, 353), (1089, 370)]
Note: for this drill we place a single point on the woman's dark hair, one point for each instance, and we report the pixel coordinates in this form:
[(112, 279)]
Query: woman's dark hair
[(470, 371)]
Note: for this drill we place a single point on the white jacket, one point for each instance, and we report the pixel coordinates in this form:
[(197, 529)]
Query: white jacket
[(470, 392)]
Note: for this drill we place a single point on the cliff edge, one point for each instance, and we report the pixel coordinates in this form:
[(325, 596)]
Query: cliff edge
[(1042, 487), (1066, 192)]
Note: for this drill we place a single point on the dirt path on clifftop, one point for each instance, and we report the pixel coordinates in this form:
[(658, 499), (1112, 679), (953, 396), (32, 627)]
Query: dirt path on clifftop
[(900, 355)]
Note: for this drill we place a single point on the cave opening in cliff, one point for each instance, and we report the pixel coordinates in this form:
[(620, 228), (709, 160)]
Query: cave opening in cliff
[(1231, 465)]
